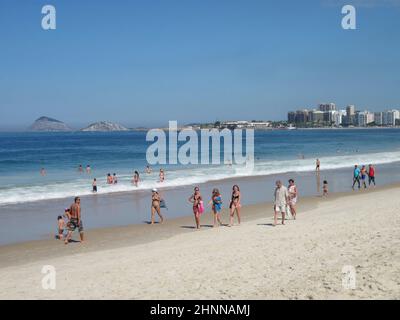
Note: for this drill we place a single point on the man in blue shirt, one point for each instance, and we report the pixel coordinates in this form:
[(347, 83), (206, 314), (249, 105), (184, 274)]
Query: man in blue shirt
[(356, 177)]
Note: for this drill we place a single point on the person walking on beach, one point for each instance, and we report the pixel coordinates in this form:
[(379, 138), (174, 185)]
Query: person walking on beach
[(136, 178), (281, 196), (216, 201), (364, 176), (356, 177), (317, 165), (292, 189), (198, 207), (235, 204), (155, 206), (371, 174), (75, 220), (94, 185)]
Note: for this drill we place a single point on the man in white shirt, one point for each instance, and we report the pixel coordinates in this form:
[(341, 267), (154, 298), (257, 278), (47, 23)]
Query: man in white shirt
[(281, 196)]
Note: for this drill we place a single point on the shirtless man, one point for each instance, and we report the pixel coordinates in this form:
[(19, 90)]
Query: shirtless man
[(155, 206), (75, 221)]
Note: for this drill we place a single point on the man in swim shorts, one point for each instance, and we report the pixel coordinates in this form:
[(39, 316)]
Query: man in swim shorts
[(75, 221)]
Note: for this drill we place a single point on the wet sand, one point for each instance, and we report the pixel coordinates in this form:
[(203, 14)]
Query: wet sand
[(37, 220)]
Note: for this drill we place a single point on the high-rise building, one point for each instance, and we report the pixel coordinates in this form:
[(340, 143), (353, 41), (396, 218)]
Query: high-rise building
[(338, 117), (302, 116), (378, 118), (316, 116), (350, 115), (362, 119), (291, 117), (389, 117)]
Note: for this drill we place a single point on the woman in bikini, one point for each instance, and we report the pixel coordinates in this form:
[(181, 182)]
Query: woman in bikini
[(155, 206), (216, 201), (235, 204), (292, 189), (196, 199)]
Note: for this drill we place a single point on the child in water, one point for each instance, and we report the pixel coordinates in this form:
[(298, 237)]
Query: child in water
[(325, 188)]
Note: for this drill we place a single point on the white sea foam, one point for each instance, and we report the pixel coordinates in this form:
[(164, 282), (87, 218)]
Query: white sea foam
[(188, 176)]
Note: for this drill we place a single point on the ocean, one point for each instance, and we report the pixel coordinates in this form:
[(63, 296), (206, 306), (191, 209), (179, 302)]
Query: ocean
[(22, 155)]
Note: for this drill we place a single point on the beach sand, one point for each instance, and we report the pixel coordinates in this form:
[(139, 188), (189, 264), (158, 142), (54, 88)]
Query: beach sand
[(302, 260)]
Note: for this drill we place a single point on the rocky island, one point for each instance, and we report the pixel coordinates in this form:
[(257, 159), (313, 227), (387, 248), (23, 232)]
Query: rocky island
[(47, 124), (104, 126)]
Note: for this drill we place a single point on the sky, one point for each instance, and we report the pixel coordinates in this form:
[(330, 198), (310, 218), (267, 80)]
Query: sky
[(145, 62)]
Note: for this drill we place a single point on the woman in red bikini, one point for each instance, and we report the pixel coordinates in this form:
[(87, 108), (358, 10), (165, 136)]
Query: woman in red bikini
[(197, 201)]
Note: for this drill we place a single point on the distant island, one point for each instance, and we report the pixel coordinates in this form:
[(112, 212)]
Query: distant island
[(46, 124), (104, 126)]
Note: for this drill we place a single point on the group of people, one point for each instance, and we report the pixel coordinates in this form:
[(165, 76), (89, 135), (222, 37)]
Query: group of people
[(113, 179), (285, 200), (360, 176), (215, 202)]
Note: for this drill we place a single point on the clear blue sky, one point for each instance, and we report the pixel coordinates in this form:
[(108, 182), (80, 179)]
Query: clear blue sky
[(145, 62)]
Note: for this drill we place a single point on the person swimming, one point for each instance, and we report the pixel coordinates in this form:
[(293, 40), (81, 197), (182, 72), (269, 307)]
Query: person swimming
[(114, 178)]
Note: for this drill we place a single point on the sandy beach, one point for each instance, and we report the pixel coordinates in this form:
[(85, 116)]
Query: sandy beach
[(302, 260)]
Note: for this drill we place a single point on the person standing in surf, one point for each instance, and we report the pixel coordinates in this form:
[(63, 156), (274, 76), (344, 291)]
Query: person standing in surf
[(317, 165), (197, 200), (136, 179), (162, 175), (235, 204)]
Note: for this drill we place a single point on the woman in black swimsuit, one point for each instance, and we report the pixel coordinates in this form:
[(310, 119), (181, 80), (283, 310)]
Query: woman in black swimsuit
[(235, 204)]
